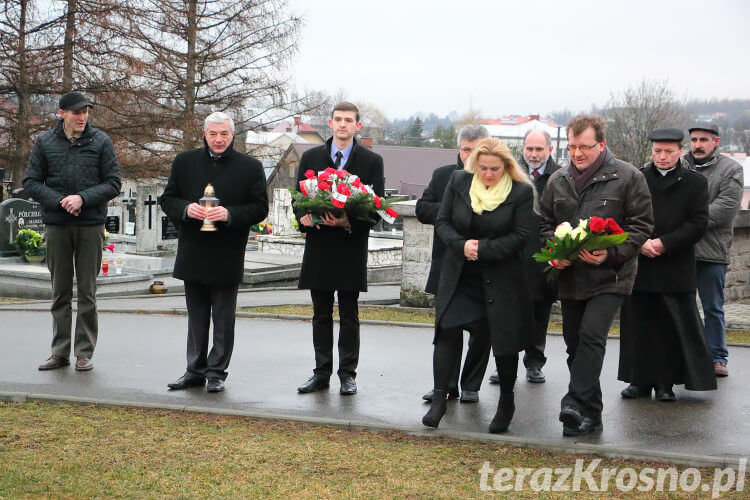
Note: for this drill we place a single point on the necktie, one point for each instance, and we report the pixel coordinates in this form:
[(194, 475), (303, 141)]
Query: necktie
[(337, 164), (535, 174)]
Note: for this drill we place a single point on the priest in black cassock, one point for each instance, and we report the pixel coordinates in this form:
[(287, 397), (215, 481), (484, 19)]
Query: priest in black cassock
[(661, 340)]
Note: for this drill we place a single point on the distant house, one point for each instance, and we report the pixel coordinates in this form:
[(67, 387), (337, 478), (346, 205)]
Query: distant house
[(512, 129), (269, 146), (407, 170)]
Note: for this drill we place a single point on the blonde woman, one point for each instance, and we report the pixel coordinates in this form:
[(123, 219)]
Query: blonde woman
[(485, 219)]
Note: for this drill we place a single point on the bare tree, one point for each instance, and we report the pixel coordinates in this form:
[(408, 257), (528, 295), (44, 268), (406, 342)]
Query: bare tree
[(634, 114)]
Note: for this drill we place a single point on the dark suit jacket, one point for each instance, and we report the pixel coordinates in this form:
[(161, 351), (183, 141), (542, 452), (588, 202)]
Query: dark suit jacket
[(427, 212), (334, 258), (505, 289), (680, 204), (215, 258)]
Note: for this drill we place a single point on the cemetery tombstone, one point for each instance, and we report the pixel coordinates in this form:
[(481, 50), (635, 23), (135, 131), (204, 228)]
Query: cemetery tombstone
[(147, 212), (16, 214), (282, 213)]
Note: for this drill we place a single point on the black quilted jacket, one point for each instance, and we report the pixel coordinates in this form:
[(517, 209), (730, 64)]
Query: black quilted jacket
[(87, 167)]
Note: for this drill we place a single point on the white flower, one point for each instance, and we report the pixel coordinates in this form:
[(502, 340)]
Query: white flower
[(578, 233), (583, 223), (562, 230)]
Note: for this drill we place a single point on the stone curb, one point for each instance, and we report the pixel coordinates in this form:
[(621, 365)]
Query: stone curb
[(524, 442)]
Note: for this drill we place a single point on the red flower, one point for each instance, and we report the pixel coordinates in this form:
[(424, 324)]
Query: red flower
[(330, 171), (376, 199), (324, 175), (343, 189), (344, 172), (310, 174), (110, 247), (341, 174), (613, 227), (597, 224), (324, 186), (391, 212), (357, 183)]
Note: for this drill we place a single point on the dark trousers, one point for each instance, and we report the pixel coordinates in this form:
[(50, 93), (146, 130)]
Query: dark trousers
[(322, 324), (534, 355), (475, 364), (585, 327), (447, 352), (205, 303), (74, 250)]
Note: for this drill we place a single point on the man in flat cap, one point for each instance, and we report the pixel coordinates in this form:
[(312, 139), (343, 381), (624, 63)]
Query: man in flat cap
[(661, 340), (725, 186), (73, 172)]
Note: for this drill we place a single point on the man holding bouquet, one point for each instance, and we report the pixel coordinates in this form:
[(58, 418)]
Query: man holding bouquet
[(592, 287), (335, 258)]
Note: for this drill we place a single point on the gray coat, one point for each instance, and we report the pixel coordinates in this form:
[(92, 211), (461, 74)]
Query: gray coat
[(87, 167), (505, 291), (725, 185), (617, 190)]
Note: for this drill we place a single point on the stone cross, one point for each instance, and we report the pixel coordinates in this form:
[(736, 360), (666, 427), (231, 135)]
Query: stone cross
[(146, 232), (282, 213), (11, 219)]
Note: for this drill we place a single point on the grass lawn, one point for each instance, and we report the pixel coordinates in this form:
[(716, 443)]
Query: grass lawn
[(12, 299), (88, 451), (427, 317)]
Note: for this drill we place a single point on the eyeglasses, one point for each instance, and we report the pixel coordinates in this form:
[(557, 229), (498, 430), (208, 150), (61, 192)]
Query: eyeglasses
[(583, 148)]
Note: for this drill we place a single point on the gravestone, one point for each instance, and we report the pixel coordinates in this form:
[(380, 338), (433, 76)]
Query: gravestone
[(112, 224), (282, 213), (168, 229), (17, 214), (146, 218)]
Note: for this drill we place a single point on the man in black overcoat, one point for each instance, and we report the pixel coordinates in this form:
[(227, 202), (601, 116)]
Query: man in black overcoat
[(427, 210), (212, 262), (335, 258), (661, 342)]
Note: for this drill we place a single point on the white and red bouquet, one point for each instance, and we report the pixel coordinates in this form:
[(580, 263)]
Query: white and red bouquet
[(591, 234), (338, 191)]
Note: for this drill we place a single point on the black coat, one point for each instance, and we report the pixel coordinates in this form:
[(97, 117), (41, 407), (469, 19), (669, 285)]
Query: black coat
[(680, 205), (506, 294), (87, 167), (334, 258), (542, 289), (427, 210), (215, 258)]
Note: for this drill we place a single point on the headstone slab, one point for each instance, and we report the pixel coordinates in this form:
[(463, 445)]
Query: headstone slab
[(168, 229), (282, 213), (112, 224), (147, 221), (17, 214)]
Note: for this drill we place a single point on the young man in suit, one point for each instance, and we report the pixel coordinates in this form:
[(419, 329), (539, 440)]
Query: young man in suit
[(335, 258), (212, 262)]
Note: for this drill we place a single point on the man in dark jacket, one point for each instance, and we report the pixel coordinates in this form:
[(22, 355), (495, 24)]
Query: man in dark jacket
[(661, 339), (212, 262), (335, 258), (427, 210), (73, 172), (725, 185), (538, 163), (592, 287)]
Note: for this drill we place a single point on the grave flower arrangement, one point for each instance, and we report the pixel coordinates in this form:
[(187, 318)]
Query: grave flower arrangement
[(338, 192), (107, 245), (262, 228), (591, 234), (30, 243)]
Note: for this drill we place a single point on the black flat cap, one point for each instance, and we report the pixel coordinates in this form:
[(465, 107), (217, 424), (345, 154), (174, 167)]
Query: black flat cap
[(74, 101), (667, 135), (708, 127)]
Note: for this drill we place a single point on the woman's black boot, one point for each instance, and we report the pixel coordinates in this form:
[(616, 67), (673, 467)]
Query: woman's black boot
[(505, 409), (437, 408)]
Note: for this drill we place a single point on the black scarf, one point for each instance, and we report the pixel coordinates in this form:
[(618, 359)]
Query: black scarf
[(581, 177)]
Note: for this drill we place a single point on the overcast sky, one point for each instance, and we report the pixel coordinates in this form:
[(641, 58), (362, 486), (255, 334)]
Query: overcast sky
[(519, 57)]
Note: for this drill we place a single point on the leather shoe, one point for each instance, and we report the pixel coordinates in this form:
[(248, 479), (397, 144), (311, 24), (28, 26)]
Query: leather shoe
[(452, 394), (535, 375), (348, 386), (636, 391), (54, 362), (665, 393), (494, 378), (214, 385), (587, 426), (720, 369), (571, 418), (438, 406), (187, 380), (314, 384), (469, 396), (83, 364)]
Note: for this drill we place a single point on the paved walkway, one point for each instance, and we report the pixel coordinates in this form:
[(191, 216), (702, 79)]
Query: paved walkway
[(138, 354)]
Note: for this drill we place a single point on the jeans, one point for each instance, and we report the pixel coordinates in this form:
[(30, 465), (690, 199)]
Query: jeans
[(711, 291)]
